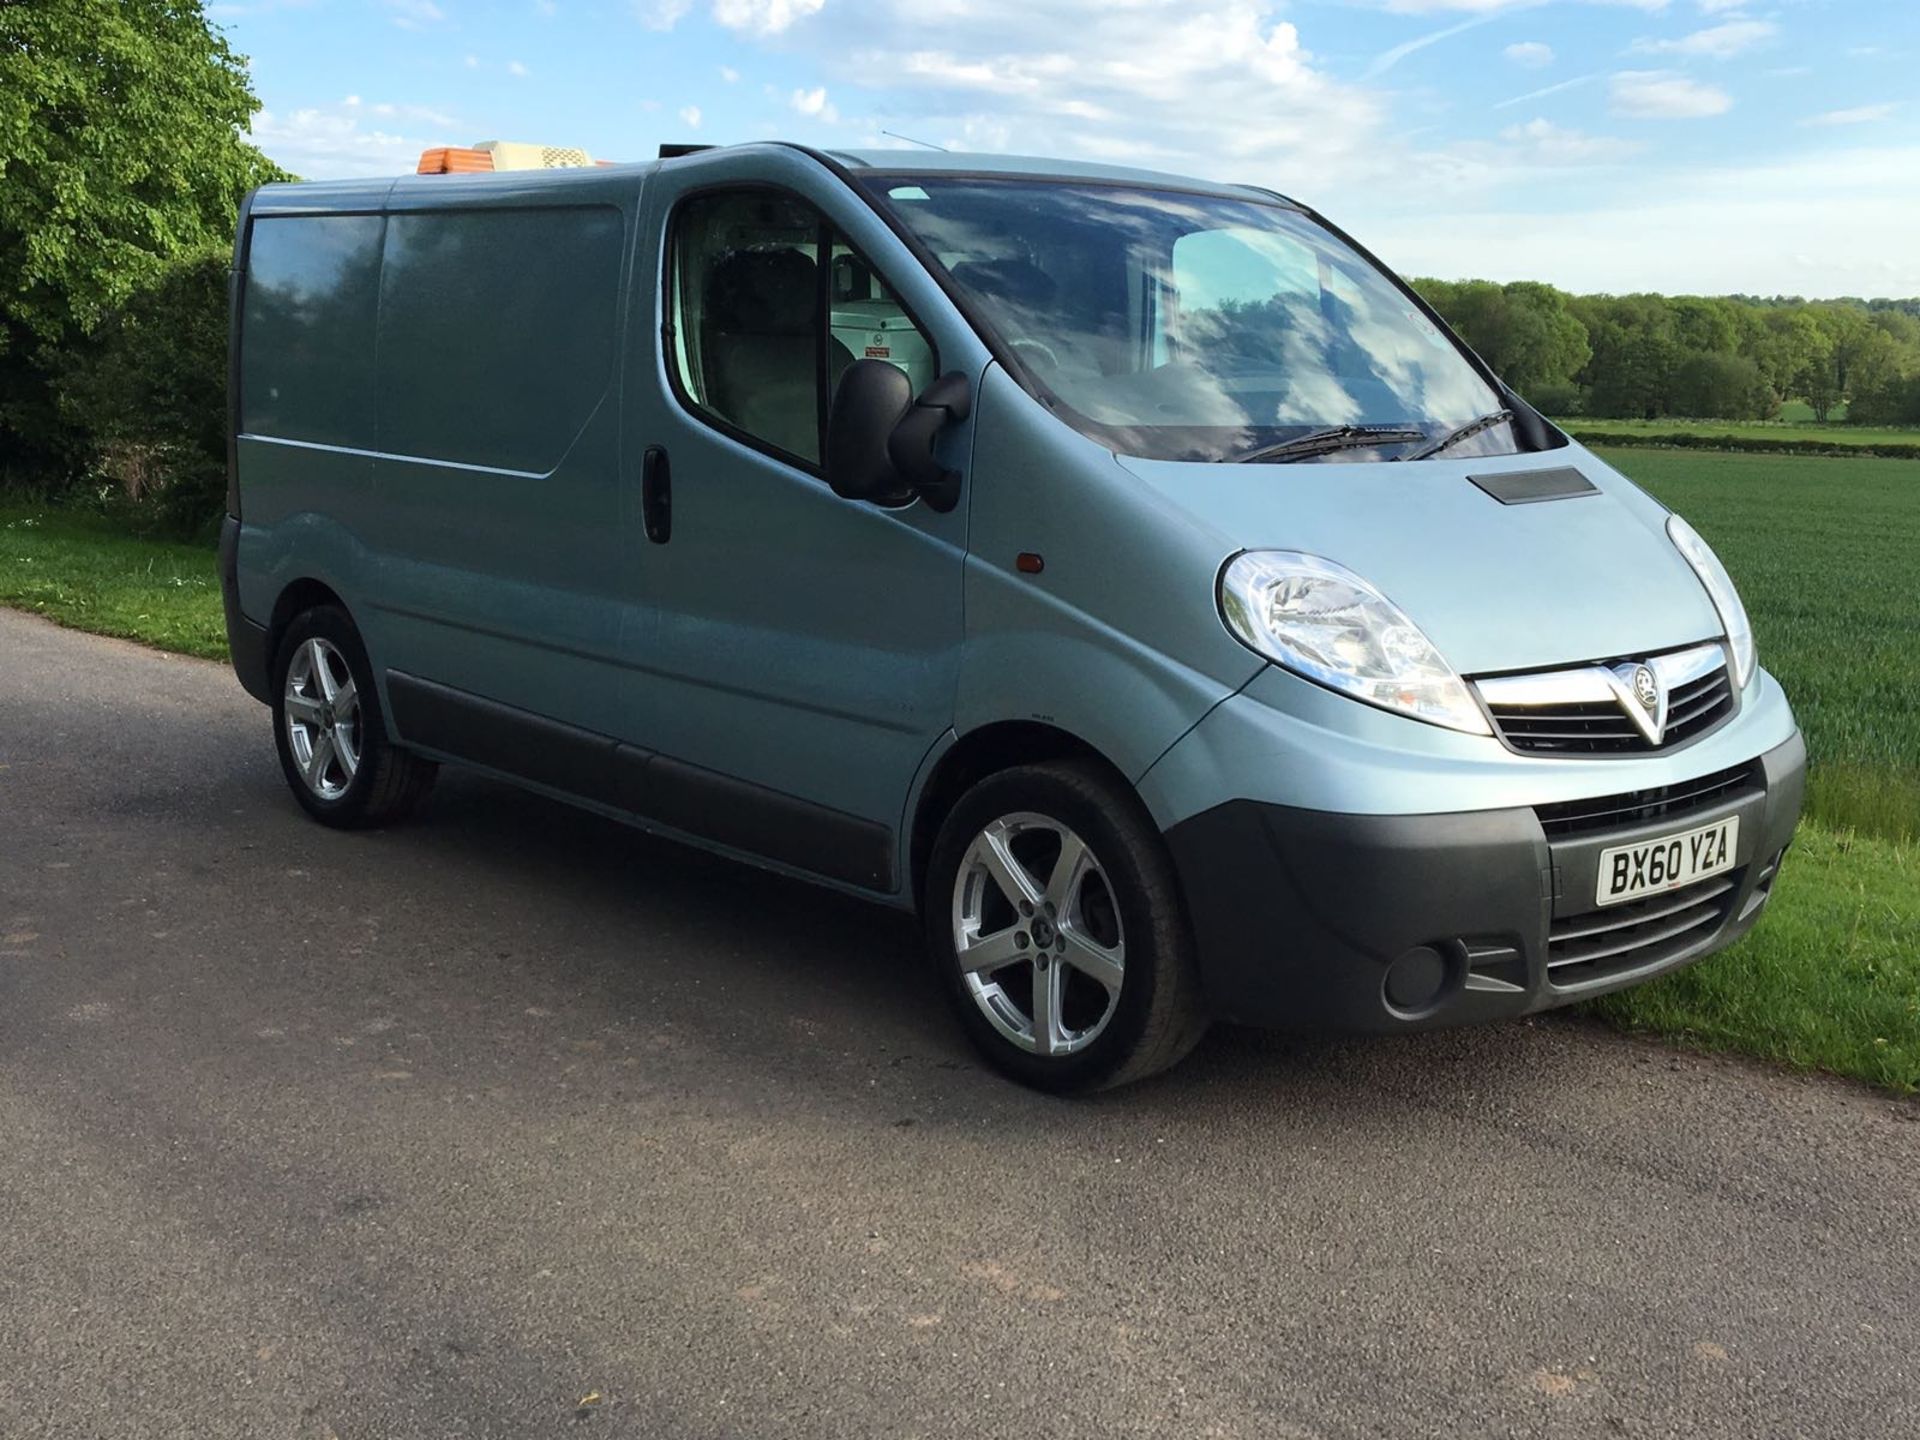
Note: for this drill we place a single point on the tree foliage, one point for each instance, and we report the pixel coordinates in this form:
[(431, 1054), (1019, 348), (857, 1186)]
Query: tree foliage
[(1714, 357), (149, 390), (121, 149)]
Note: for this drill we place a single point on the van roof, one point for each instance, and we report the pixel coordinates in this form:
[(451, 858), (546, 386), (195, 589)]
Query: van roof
[(960, 162), (410, 191)]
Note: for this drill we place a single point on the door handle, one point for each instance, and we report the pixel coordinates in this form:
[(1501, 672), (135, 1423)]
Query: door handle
[(656, 495)]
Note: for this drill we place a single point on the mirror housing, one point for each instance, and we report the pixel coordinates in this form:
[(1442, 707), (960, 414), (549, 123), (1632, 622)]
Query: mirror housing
[(871, 399), (880, 439)]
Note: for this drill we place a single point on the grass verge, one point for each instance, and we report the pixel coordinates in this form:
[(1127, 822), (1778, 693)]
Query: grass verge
[(83, 572), (1829, 979)]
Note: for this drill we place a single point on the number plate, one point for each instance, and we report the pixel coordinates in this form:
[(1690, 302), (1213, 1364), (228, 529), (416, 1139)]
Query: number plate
[(1628, 872)]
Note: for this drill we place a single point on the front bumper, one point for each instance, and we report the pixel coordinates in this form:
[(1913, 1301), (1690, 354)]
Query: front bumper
[(1308, 919)]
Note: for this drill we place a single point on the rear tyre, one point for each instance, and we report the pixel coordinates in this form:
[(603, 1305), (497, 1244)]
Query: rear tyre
[(330, 731), (1053, 913)]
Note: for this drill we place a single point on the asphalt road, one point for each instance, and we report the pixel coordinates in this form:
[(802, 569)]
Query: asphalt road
[(516, 1122)]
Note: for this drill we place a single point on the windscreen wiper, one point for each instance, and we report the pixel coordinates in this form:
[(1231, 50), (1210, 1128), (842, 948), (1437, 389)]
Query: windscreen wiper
[(1336, 437), (1455, 436)]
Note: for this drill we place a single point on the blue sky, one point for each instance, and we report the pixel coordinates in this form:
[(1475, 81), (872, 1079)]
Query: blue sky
[(1678, 145)]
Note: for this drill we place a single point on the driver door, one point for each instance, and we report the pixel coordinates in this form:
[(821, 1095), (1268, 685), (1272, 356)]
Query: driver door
[(800, 652)]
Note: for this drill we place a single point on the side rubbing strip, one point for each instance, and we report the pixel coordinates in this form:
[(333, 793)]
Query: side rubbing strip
[(595, 767), (1525, 487), (502, 737)]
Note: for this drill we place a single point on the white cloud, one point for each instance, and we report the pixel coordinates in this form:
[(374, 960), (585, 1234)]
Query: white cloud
[(473, 62), (1210, 85), (1858, 115), (1813, 224), (415, 14), (1717, 42), (730, 75), (661, 14), (763, 17), (1529, 54), (690, 116), (1543, 142), (814, 104), (1720, 7), (334, 142), (1232, 90), (418, 114), (1545, 91), (1387, 59), (1427, 7), (515, 68), (1664, 95)]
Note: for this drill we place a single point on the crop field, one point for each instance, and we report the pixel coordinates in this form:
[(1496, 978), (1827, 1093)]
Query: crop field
[(1805, 431), (1827, 556)]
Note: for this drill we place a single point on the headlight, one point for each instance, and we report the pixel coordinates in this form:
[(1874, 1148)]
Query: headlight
[(1323, 621), (1719, 586)]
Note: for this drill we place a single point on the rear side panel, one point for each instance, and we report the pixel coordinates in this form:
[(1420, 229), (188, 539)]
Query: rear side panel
[(505, 568), (302, 403)]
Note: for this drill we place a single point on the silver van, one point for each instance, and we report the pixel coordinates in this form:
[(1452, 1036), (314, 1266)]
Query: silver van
[(1126, 572)]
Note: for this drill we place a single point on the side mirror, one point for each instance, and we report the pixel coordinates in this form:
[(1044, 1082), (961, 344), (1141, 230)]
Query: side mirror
[(911, 443), (870, 401), (880, 439)]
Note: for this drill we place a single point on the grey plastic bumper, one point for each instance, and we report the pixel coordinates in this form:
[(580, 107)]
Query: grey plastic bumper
[(1303, 916), (246, 641)]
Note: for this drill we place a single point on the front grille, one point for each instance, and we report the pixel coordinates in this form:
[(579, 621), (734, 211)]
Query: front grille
[(1603, 943), (1576, 712), (1569, 819), (1698, 706)]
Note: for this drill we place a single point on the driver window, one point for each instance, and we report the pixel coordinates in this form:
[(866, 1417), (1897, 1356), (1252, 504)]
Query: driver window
[(752, 276)]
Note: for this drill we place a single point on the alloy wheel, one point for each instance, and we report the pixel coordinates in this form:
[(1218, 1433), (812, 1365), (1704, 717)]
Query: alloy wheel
[(323, 718), (1037, 933)]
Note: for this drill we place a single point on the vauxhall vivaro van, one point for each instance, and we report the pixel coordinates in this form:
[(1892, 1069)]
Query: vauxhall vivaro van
[(1125, 571)]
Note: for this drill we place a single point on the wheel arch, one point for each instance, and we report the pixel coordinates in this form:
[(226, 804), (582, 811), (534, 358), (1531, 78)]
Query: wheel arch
[(973, 757), (296, 598)]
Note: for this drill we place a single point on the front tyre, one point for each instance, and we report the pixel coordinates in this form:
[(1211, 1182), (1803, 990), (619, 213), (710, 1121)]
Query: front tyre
[(1052, 910), (330, 732)]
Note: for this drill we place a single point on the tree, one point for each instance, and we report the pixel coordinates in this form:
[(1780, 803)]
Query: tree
[(1524, 330), (1787, 346), (1635, 350), (149, 389), (1715, 385), (1546, 345), (1706, 325), (121, 147)]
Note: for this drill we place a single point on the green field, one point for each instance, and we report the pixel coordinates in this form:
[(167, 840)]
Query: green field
[(1827, 554), (1807, 430)]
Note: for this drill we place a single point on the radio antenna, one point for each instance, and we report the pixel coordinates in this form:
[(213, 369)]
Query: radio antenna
[(911, 141)]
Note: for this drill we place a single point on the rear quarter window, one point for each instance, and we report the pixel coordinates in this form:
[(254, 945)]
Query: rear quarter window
[(306, 346), (497, 332)]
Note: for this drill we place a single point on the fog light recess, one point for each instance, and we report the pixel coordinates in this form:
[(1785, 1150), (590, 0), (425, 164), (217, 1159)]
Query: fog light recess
[(1420, 979)]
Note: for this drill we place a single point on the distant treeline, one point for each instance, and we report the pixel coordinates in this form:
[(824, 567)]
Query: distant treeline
[(1733, 357)]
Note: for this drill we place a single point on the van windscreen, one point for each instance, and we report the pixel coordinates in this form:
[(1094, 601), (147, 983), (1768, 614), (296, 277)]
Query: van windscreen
[(1184, 326)]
